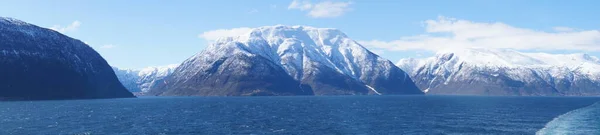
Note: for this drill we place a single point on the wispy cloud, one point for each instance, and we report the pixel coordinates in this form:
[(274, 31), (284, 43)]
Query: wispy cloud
[(216, 34), (325, 9), (108, 46), (449, 33), (377, 51), (71, 27), (252, 11), (563, 29), (300, 5)]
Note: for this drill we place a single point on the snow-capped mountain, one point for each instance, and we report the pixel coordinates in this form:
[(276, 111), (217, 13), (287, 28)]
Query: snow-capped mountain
[(287, 60), (142, 80), (39, 63), (505, 72)]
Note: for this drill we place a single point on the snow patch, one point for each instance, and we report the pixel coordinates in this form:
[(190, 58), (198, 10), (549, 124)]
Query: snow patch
[(373, 89)]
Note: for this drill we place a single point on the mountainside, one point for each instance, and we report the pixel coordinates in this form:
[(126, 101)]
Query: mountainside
[(142, 80), (38, 63), (287, 60), (479, 71)]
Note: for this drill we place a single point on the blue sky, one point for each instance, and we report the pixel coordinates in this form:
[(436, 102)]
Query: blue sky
[(136, 34)]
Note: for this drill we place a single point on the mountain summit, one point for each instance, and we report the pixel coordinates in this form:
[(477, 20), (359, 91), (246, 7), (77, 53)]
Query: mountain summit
[(287, 60), (478, 71)]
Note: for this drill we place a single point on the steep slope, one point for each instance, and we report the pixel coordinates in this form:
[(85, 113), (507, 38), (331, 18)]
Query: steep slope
[(287, 60), (37, 63), (142, 80), (479, 71)]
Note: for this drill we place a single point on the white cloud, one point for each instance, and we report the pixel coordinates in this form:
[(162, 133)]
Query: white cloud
[(252, 11), (377, 51), (419, 54), (71, 27), (216, 34), (448, 33), (563, 29), (325, 9), (300, 5), (329, 9), (107, 46)]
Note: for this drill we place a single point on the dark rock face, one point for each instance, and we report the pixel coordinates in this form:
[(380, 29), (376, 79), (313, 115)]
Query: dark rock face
[(393, 81), (40, 64), (325, 81)]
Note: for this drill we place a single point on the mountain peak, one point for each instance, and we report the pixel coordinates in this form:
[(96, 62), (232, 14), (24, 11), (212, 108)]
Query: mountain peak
[(280, 27), (487, 52), (513, 58), (282, 43), (8, 20), (298, 29), (279, 33), (160, 70)]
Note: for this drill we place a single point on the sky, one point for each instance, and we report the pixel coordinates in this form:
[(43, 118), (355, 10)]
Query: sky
[(137, 34)]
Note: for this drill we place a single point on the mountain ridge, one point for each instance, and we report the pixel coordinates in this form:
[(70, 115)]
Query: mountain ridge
[(504, 72), (142, 80)]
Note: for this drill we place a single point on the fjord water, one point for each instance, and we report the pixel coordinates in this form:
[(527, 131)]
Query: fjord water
[(298, 115)]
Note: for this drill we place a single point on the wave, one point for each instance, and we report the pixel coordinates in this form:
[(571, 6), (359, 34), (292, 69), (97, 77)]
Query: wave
[(584, 120)]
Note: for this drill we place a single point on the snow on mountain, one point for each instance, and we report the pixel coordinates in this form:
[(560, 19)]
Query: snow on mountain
[(323, 58), (38, 63), (142, 80), (505, 72)]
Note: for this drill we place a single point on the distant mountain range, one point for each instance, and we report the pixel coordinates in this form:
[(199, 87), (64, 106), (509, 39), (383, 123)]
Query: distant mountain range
[(286, 60), (479, 71), (40, 64), (142, 80)]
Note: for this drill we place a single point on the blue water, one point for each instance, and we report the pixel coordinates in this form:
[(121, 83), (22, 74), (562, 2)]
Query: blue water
[(300, 115)]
